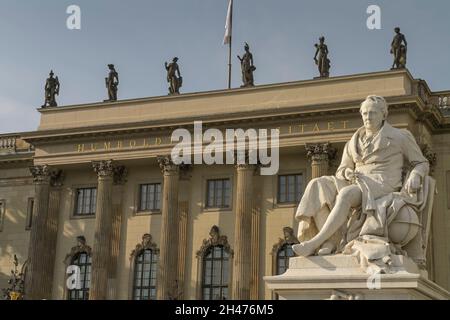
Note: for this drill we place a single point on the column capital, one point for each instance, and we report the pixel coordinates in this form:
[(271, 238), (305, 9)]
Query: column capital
[(41, 174), (103, 168), (320, 151), (167, 166)]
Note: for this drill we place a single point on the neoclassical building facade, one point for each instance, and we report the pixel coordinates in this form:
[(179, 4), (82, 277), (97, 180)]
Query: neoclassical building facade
[(95, 187)]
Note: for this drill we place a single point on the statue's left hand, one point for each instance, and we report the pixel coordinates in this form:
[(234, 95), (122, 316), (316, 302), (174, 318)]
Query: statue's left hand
[(413, 183)]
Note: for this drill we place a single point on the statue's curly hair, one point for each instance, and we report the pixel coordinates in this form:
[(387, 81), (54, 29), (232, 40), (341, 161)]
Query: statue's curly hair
[(377, 101)]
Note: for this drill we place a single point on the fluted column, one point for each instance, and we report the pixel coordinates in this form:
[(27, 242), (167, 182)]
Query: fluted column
[(35, 286), (256, 237), (167, 286), (183, 208), (101, 251), (51, 233), (320, 155), (242, 233), (120, 174)]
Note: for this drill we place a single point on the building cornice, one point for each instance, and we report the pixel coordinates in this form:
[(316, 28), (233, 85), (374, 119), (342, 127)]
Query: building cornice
[(414, 104)]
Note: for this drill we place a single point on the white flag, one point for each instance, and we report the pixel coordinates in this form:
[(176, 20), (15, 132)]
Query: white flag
[(228, 24)]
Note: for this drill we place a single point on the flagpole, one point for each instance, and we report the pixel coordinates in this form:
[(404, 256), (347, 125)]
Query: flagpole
[(229, 49)]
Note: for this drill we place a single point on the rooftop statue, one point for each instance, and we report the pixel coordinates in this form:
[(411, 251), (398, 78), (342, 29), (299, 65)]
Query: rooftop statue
[(112, 83), (321, 58), (369, 208), (175, 82), (399, 48), (247, 67), (51, 90)]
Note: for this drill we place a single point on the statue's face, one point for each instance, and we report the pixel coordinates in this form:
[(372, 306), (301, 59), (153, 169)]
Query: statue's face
[(372, 116)]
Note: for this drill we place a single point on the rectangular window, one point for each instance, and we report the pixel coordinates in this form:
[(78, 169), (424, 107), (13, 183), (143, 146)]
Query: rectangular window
[(2, 213), (218, 193), (30, 210), (290, 188), (150, 197), (86, 199)]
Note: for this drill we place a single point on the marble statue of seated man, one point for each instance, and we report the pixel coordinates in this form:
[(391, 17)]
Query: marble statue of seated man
[(369, 179)]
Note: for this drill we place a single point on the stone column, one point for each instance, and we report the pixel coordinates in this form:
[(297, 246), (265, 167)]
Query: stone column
[(240, 289), (101, 251), (120, 174), (256, 237), (37, 267), (167, 287), (51, 233), (183, 209), (320, 155)]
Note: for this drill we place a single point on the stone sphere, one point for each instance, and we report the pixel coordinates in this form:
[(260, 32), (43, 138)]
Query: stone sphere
[(404, 227)]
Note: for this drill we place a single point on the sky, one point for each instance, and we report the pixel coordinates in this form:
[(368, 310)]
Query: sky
[(138, 36)]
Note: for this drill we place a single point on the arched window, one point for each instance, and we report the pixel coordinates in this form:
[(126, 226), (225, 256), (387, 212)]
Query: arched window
[(214, 267), (283, 255), (215, 274), (83, 261), (144, 286), (282, 251), (80, 256), (144, 267)]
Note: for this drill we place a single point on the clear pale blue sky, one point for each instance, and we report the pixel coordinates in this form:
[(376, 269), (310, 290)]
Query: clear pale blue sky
[(139, 35)]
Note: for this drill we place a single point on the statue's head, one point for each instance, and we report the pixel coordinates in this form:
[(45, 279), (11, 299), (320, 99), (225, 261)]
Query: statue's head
[(81, 240), (111, 66), (397, 30), (322, 39), (175, 59), (51, 74), (374, 111), (146, 239), (246, 47), (288, 233), (214, 233)]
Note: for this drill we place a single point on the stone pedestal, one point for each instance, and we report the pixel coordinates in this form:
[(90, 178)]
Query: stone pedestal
[(341, 277)]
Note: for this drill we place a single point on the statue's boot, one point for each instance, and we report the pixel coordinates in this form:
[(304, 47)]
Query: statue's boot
[(327, 248), (304, 249)]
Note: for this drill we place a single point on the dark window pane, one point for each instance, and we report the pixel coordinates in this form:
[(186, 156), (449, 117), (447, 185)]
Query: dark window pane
[(283, 256), (218, 194), (150, 196), (215, 273), (86, 201), (83, 261), (290, 188), (145, 276)]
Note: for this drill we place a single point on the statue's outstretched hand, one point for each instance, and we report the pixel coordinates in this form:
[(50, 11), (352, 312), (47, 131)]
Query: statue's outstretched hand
[(413, 183)]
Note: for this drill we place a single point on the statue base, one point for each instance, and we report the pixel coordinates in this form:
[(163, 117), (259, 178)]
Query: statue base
[(341, 277)]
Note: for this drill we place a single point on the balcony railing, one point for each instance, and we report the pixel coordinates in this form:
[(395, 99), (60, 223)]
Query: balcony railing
[(8, 144), (12, 144)]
